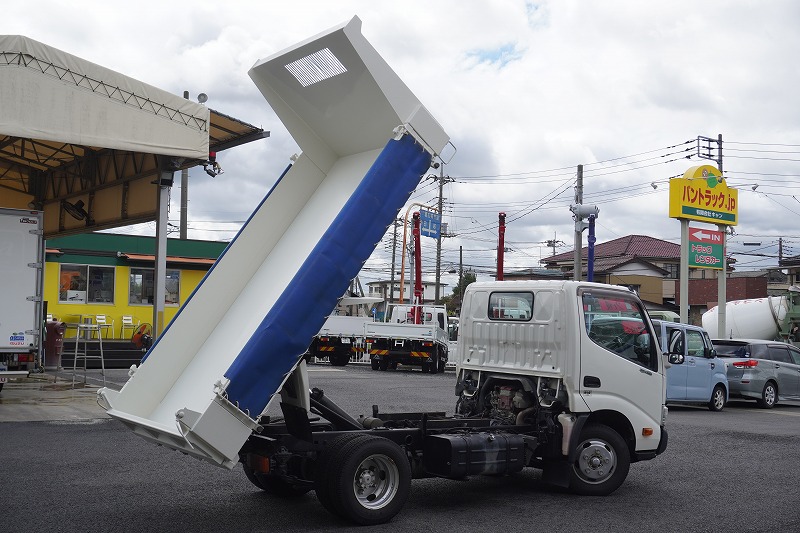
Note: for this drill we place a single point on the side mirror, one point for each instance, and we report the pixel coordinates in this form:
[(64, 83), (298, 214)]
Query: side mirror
[(711, 353), (675, 358)]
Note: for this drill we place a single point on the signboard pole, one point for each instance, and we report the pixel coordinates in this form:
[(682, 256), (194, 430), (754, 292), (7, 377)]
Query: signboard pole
[(684, 274), (722, 286)]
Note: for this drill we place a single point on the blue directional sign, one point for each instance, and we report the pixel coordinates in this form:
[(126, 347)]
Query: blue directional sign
[(429, 223)]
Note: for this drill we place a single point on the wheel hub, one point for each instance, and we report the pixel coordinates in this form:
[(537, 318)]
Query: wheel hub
[(375, 481), (596, 461)]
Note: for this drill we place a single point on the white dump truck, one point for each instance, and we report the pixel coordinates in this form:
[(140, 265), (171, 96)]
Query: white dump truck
[(537, 386)]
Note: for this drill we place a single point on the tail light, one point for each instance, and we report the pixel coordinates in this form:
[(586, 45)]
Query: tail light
[(369, 341), (750, 363), (324, 339)]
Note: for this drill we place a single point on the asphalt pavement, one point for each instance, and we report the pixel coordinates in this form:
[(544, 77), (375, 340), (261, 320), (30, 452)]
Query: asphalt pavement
[(68, 467)]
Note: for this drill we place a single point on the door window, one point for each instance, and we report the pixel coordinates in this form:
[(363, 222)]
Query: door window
[(779, 354), (623, 333), (694, 343)]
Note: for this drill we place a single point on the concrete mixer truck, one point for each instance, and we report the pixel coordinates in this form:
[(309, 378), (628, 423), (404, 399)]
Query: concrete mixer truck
[(768, 318)]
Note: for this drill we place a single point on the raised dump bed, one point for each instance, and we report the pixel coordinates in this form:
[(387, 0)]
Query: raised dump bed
[(366, 141)]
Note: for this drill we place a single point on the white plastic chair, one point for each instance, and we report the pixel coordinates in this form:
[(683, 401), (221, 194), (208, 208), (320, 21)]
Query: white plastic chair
[(101, 321), (128, 322)]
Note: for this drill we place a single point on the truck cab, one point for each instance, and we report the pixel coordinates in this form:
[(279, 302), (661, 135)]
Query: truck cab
[(586, 352)]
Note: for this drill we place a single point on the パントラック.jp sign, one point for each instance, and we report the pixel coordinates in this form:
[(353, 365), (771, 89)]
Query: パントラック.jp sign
[(701, 194), (706, 248)]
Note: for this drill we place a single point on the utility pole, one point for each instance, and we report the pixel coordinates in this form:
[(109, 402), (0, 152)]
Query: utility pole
[(552, 243), (576, 274), (439, 237), (184, 195), (394, 255), (581, 212), (722, 279)]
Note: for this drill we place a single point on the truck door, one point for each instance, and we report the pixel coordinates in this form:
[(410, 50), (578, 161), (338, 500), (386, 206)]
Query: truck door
[(619, 367)]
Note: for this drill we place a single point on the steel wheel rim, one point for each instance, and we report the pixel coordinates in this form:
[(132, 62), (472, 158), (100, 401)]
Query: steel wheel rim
[(596, 461), (376, 481)]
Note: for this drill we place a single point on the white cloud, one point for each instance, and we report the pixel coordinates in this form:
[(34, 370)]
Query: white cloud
[(521, 87)]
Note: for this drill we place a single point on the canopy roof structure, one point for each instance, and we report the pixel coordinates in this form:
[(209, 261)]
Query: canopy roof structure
[(73, 133)]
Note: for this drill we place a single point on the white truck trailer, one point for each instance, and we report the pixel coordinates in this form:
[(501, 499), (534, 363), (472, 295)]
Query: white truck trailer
[(533, 389), (21, 265)]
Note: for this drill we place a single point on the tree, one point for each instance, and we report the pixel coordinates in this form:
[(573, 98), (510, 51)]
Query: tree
[(453, 301)]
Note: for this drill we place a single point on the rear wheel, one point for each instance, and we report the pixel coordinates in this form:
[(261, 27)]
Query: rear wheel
[(769, 396), (601, 463), (339, 358), (434, 365), (717, 401), (375, 364), (442, 364), (321, 471), (365, 479)]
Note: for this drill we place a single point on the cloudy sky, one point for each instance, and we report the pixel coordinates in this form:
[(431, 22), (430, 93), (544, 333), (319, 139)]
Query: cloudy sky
[(527, 91)]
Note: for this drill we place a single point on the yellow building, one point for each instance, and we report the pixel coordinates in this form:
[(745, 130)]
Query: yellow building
[(111, 276)]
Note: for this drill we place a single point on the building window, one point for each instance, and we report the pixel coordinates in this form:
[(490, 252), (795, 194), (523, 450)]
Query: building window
[(141, 288), (85, 284), (673, 269)]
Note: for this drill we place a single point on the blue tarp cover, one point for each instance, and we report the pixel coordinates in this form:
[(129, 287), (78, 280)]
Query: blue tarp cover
[(286, 332)]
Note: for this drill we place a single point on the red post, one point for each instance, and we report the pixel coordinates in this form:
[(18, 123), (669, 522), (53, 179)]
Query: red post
[(417, 271), (501, 245)]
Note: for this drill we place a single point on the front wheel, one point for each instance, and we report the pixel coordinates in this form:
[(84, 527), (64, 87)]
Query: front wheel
[(717, 401), (601, 463), (769, 396), (365, 479)]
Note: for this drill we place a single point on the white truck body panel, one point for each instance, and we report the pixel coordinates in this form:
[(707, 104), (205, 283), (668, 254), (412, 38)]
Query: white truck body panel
[(554, 343), (345, 326), (399, 325), (178, 396), (21, 264)]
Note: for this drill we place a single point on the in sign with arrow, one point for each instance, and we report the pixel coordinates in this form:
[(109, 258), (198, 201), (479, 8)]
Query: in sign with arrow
[(706, 248)]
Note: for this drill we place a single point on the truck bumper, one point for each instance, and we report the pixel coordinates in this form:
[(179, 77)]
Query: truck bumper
[(651, 454)]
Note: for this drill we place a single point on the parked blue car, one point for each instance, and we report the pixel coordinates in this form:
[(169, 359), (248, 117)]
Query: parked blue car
[(702, 378)]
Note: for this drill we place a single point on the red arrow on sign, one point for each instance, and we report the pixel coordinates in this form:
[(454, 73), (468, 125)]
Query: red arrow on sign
[(706, 236)]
